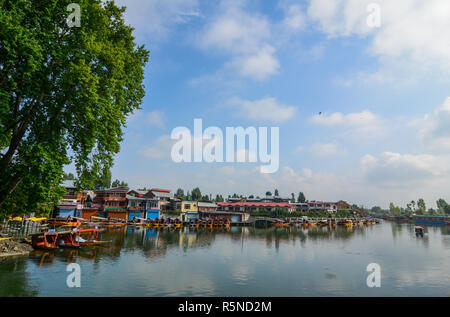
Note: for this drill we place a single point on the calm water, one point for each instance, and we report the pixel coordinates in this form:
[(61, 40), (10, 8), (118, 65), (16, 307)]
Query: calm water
[(242, 262)]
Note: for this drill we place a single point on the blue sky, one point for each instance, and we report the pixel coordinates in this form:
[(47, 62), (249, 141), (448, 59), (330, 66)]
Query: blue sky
[(383, 93)]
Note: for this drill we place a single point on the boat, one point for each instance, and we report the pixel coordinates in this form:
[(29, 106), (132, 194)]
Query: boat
[(281, 224), (419, 231), (68, 240), (93, 241), (45, 241), (431, 220)]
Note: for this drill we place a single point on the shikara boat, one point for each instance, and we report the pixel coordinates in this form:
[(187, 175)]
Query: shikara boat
[(68, 240), (419, 231), (280, 224), (92, 238), (45, 241)]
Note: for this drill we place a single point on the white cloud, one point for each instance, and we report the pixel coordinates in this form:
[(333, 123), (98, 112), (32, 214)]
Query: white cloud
[(245, 37), (326, 149), (156, 118), (415, 31), (266, 110), (160, 149), (363, 123), (259, 66), (404, 169), (435, 131), (155, 19), (295, 18)]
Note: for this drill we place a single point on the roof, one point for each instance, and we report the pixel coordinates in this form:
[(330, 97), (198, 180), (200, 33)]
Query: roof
[(129, 197), (256, 204), (222, 213), (161, 194), (140, 192), (115, 189), (319, 202), (204, 204), (160, 190)]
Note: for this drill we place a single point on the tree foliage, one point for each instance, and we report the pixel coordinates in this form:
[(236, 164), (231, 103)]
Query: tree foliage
[(65, 95), (301, 198), (118, 183), (196, 194)]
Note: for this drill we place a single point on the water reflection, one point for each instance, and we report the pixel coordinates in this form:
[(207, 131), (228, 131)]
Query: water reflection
[(294, 261)]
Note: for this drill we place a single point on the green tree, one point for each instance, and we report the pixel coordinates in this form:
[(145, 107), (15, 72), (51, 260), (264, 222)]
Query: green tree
[(196, 194), (394, 210), (276, 192), (68, 177), (65, 95), (104, 181), (118, 183), (180, 193), (421, 206), (301, 198), (443, 207), (376, 210)]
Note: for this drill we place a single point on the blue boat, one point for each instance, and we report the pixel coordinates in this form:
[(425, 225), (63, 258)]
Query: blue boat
[(432, 220)]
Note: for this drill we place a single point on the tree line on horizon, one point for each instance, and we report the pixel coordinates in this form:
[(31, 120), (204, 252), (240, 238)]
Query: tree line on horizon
[(413, 207)]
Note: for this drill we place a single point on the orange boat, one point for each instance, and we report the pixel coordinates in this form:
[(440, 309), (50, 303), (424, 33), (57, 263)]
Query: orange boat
[(45, 241), (93, 241), (280, 224), (68, 240)]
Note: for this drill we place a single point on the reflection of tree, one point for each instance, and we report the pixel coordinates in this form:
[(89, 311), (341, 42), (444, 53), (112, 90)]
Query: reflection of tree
[(396, 229), (14, 279)]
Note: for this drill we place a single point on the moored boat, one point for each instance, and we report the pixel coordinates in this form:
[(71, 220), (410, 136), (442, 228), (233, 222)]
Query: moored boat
[(45, 241), (431, 220)]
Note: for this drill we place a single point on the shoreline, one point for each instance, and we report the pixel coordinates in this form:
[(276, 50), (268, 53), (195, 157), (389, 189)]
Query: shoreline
[(11, 248)]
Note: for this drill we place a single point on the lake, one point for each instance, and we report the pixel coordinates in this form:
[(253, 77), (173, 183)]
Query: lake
[(243, 261)]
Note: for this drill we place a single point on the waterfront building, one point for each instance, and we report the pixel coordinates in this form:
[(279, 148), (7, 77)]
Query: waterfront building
[(72, 201), (301, 207), (204, 206), (189, 210), (233, 217), (249, 207), (142, 204), (322, 206), (341, 205), (113, 202), (164, 195)]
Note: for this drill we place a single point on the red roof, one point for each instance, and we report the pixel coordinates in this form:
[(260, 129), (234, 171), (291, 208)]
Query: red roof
[(240, 204), (160, 190)]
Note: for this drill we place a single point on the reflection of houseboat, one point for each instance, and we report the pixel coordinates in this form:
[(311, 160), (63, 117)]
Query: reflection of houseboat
[(432, 220)]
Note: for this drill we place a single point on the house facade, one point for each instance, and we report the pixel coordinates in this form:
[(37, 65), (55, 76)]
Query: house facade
[(113, 202), (249, 207), (142, 204)]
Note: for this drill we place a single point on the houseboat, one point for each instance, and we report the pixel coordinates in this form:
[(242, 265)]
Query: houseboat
[(431, 220)]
